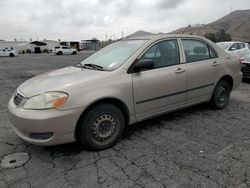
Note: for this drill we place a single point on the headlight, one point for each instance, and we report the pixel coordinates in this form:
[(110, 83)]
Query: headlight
[(46, 101)]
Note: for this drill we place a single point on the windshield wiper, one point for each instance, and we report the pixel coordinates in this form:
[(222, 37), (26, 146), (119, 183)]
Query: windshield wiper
[(94, 66), (89, 66)]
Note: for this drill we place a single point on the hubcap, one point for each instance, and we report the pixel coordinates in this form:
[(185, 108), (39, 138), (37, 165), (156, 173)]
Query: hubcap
[(103, 128), (222, 96)]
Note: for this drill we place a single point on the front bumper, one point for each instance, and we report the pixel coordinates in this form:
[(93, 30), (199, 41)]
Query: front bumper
[(27, 123)]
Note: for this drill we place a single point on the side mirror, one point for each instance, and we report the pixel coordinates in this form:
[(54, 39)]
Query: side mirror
[(146, 64)]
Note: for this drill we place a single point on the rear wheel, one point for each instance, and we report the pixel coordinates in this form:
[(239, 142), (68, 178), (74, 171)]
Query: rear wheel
[(102, 127), (59, 53), (221, 95), (12, 55), (74, 53)]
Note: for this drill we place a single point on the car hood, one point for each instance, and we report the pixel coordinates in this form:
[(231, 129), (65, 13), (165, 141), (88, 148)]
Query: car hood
[(59, 80)]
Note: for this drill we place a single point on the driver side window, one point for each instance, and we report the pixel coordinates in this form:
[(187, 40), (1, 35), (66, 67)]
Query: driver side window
[(164, 53)]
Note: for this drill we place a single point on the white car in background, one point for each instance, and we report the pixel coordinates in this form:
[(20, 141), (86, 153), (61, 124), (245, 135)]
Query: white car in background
[(7, 52), (239, 49), (242, 51), (64, 50)]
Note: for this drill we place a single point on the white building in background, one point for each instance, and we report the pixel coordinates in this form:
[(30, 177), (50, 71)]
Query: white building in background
[(21, 46), (13, 44), (51, 44)]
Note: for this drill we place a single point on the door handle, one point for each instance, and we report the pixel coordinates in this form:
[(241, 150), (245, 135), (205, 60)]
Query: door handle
[(179, 71), (215, 64)]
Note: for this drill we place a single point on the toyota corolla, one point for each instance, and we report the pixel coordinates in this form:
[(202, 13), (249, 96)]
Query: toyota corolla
[(126, 82)]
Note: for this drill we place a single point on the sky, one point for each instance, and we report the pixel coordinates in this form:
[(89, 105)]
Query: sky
[(86, 19)]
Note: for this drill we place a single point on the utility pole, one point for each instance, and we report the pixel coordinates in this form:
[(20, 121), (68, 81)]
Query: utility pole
[(122, 34)]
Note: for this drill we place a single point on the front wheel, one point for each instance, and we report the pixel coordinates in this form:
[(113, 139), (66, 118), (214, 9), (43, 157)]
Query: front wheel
[(12, 55), (74, 53), (102, 127), (221, 95)]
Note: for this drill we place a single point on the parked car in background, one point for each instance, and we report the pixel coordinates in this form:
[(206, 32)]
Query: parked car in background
[(7, 52), (245, 68), (240, 50), (64, 50), (126, 82)]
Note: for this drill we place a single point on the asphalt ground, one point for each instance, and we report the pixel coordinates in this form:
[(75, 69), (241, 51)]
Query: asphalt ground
[(195, 147)]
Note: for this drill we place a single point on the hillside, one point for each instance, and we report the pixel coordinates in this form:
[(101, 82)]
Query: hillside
[(237, 24), (195, 30), (140, 33)]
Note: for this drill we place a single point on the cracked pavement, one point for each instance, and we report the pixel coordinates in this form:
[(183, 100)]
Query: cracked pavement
[(195, 147)]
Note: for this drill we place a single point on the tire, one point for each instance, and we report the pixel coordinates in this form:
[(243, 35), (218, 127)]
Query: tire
[(12, 55), (101, 127), (59, 53), (74, 53), (221, 95)]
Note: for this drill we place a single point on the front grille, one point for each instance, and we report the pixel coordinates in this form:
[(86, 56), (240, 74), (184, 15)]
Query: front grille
[(18, 98), (245, 69)]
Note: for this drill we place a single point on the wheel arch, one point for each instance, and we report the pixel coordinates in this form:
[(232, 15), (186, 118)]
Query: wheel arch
[(114, 101), (229, 79)]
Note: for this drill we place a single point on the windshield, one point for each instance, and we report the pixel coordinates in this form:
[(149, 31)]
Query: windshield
[(115, 54), (224, 45)]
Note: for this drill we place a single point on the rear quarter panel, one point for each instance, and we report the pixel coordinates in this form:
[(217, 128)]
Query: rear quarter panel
[(233, 69), (229, 65)]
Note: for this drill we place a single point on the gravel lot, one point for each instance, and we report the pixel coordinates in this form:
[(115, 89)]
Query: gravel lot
[(195, 147)]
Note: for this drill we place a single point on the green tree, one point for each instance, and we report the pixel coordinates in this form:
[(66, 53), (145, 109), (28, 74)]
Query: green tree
[(223, 36), (211, 36), (219, 36)]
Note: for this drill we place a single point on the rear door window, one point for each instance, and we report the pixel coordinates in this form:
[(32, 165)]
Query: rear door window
[(242, 45), (196, 50)]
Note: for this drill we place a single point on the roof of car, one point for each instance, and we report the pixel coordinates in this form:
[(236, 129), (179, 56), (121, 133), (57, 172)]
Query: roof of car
[(229, 42), (160, 36)]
